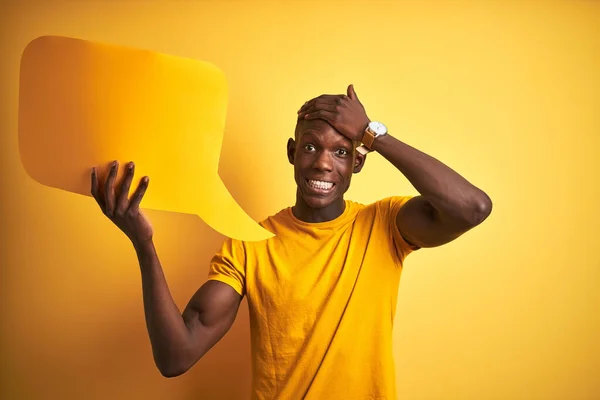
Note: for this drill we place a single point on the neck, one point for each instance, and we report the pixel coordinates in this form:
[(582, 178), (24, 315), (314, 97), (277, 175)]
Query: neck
[(306, 213)]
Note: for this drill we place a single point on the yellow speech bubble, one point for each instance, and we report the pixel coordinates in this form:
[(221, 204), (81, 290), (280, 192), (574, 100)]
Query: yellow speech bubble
[(84, 103)]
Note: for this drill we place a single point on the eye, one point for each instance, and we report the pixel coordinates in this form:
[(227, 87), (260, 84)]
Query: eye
[(309, 147), (342, 152)]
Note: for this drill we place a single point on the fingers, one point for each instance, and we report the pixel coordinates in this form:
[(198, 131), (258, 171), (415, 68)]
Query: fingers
[(94, 190), (320, 106), (328, 116), (352, 93), (331, 104), (324, 99), (136, 199), (109, 190), (122, 200), (306, 105)]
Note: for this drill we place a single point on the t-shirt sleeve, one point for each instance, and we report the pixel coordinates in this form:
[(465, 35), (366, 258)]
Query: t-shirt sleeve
[(388, 210), (228, 265)]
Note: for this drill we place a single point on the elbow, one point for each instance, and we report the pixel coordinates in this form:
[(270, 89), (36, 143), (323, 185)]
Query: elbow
[(172, 372), (480, 209), (172, 368)]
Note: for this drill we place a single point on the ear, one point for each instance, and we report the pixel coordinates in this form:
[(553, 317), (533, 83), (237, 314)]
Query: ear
[(359, 162), (291, 150)]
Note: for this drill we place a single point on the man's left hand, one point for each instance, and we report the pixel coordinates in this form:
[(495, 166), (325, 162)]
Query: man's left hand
[(344, 112)]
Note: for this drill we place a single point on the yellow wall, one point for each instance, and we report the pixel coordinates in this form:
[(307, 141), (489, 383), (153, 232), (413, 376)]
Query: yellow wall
[(504, 92)]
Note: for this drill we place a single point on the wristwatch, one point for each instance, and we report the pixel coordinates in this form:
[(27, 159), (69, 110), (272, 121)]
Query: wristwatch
[(374, 130)]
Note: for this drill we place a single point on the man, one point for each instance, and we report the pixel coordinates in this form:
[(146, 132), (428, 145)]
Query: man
[(322, 292)]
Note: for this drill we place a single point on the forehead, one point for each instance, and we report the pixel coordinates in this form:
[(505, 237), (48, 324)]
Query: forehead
[(319, 129)]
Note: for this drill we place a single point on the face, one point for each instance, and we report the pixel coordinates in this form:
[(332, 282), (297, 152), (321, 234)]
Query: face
[(324, 161)]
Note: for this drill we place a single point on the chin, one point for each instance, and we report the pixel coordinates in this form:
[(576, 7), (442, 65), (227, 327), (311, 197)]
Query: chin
[(318, 203)]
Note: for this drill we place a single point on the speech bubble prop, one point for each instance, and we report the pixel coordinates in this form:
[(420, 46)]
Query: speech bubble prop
[(84, 104)]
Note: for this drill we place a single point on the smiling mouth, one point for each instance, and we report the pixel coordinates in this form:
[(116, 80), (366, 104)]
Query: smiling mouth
[(323, 187)]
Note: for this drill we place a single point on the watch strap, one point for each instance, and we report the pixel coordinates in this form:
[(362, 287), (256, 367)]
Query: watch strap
[(367, 142), (368, 138)]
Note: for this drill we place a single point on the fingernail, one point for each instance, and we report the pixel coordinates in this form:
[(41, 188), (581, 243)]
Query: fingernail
[(130, 165), (114, 164)]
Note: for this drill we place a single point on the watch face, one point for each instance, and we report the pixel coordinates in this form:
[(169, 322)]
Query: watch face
[(378, 128)]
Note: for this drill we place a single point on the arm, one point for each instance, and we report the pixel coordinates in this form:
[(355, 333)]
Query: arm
[(448, 204), (178, 340)]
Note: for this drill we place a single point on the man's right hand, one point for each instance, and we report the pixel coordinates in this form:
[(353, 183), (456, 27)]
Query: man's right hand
[(123, 212)]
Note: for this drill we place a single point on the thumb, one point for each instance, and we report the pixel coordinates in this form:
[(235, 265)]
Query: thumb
[(352, 93)]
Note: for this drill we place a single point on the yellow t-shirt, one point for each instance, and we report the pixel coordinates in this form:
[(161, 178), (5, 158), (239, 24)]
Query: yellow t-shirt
[(322, 299)]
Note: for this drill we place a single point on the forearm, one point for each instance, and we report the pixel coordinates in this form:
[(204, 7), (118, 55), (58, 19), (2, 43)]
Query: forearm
[(451, 195), (169, 335)]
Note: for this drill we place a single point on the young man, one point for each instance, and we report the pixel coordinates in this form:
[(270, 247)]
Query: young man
[(321, 293)]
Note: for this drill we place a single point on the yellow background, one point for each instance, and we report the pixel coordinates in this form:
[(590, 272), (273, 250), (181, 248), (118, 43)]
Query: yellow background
[(506, 93)]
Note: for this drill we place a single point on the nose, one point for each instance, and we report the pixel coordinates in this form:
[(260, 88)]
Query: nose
[(323, 161)]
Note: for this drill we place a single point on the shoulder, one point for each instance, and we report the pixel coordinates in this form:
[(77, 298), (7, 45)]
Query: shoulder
[(276, 223), (271, 222), (386, 208)]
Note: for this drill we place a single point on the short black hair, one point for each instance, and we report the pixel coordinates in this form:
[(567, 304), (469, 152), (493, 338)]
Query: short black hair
[(299, 123)]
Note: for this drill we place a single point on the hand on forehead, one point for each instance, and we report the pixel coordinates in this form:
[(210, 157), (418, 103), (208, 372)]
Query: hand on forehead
[(344, 113)]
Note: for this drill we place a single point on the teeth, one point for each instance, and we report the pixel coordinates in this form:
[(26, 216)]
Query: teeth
[(320, 184)]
